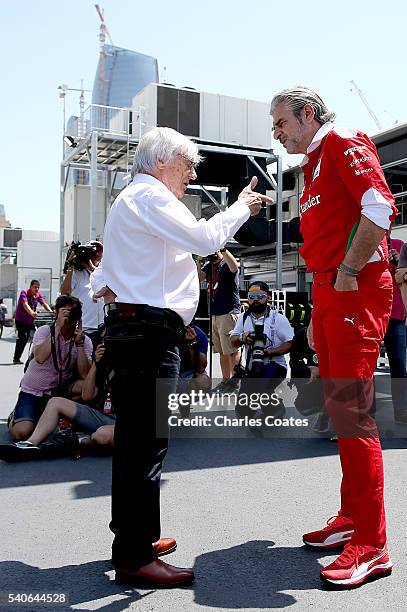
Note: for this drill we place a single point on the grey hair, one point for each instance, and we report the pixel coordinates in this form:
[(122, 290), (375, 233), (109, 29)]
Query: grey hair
[(297, 97), (162, 144)]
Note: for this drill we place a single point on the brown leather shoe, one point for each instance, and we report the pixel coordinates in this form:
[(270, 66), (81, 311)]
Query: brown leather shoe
[(164, 546), (157, 573)]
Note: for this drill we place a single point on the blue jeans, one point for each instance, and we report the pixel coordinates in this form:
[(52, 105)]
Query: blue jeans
[(395, 343)]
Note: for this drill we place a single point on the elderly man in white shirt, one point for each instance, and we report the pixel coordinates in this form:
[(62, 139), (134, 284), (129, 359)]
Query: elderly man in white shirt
[(149, 281)]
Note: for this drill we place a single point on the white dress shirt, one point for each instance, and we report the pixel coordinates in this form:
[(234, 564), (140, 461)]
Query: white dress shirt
[(92, 312), (148, 240)]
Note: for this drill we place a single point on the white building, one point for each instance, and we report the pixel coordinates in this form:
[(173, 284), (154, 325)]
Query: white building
[(38, 258), (28, 255)]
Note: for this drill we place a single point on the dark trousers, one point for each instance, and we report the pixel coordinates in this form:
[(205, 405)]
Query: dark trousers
[(395, 343), (141, 434), (272, 377), (23, 335)]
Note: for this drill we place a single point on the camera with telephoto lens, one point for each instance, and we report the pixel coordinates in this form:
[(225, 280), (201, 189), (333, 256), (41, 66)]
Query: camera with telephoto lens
[(78, 255), (258, 350)]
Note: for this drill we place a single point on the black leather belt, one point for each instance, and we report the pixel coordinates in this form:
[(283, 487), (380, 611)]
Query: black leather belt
[(143, 313)]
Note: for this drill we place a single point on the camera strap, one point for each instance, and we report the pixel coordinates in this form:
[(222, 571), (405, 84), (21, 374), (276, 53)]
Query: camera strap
[(269, 313), (272, 325), (57, 358)]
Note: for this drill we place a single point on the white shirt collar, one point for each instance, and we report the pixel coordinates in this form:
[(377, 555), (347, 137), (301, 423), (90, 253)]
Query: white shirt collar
[(316, 141), (146, 178), (322, 132)]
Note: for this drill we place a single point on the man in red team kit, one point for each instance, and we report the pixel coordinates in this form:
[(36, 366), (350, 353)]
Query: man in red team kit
[(345, 209)]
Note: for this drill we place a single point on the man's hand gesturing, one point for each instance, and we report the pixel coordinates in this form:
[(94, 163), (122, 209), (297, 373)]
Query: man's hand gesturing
[(253, 199)]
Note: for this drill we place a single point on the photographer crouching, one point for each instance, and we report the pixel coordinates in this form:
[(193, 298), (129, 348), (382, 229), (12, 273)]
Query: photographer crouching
[(60, 353), (81, 261), (266, 336)]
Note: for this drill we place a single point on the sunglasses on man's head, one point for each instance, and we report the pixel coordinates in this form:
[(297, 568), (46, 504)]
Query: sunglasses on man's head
[(258, 296)]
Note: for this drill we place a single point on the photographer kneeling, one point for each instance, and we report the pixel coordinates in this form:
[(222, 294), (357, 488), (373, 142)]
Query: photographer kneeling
[(60, 352), (266, 335), (81, 261), (97, 420)]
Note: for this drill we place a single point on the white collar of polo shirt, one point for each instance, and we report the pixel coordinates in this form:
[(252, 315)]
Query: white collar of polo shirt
[(318, 137)]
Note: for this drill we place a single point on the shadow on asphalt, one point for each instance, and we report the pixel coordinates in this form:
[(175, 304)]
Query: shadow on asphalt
[(198, 454), (90, 580), (93, 474), (251, 575)]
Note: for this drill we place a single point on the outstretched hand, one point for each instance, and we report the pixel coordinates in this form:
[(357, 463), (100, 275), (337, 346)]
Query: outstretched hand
[(253, 199)]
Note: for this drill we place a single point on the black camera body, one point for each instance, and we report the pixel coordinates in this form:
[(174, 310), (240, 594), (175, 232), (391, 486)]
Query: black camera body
[(82, 254), (75, 313), (258, 349)]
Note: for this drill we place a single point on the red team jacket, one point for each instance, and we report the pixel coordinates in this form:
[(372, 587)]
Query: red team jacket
[(342, 174)]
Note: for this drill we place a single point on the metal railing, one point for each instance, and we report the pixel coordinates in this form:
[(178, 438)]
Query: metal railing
[(111, 119)]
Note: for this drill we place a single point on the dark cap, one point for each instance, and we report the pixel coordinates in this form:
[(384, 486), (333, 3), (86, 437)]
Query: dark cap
[(261, 285)]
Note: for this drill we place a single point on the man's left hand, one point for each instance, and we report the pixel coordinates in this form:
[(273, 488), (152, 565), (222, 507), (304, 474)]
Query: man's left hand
[(344, 282), (107, 294)]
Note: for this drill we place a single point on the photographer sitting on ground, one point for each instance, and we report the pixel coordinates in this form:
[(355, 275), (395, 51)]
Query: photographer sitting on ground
[(80, 262), (266, 335), (95, 422), (192, 370), (60, 352)]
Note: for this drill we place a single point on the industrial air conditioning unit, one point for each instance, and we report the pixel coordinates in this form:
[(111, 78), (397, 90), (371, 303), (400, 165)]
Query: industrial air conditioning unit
[(211, 118)]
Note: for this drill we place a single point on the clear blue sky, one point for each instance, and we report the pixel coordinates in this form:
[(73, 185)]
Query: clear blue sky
[(234, 47)]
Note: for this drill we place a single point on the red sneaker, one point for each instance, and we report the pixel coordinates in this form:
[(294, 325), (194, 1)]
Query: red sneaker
[(339, 530), (357, 564)]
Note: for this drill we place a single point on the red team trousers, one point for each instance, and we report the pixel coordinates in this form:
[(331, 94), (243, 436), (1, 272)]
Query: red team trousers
[(348, 328)]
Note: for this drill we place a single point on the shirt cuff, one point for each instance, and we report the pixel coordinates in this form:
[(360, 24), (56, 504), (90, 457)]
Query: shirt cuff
[(376, 208), (240, 210)]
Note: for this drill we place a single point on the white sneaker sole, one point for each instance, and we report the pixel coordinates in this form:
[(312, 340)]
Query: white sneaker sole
[(379, 571)]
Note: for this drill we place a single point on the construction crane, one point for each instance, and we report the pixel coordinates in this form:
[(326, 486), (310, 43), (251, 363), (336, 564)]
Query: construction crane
[(103, 26), (366, 103), (103, 31)]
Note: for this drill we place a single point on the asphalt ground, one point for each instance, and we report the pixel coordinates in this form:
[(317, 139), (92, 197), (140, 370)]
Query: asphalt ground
[(238, 508)]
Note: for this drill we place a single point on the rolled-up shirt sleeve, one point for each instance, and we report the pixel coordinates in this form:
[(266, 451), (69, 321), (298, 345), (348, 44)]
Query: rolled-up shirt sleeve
[(169, 219), (359, 168)]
